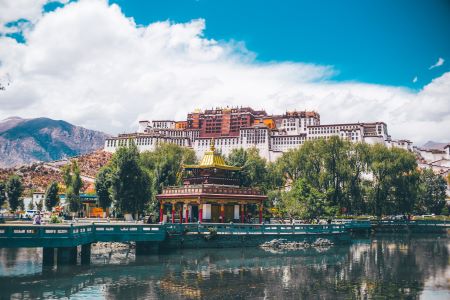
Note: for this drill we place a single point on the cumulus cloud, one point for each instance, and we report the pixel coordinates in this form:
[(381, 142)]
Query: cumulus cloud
[(89, 64), (27, 11), (439, 63)]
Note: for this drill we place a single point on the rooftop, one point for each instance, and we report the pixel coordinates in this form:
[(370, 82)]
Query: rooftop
[(212, 160)]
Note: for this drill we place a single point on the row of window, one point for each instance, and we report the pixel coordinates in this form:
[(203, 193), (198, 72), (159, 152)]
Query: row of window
[(288, 140), (144, 142)]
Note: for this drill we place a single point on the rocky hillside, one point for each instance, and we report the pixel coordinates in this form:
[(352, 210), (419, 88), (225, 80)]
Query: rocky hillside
[(24, 141), (434, 145)]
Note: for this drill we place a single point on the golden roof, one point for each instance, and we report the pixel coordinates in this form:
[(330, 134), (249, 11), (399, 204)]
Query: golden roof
[(212, 159)]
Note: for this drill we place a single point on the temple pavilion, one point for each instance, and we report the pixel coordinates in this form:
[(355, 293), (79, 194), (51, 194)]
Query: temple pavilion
[(210, 193)]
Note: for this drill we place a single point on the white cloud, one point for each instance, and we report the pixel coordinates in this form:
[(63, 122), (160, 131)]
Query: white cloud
[(439, 63), (415, 79), (90, 65), (13, 10)]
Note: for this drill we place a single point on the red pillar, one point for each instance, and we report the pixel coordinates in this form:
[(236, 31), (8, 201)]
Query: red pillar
[(260, 212), (242, 212), (173, 213), (181, 215), (161, 211), (200, 212), (187, 213), (222, 213)]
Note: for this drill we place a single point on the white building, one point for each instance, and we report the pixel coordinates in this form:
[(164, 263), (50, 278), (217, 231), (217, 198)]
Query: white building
[(272, 135)]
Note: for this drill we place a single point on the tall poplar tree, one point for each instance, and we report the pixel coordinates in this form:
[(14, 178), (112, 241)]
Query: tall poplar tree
[(51, 196), (14, 190), (73, 182), (131, 184), (103, 187), (2, 193)]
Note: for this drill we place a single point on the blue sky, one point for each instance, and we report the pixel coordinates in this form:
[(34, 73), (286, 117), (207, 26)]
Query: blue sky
[(351, 61), (383, 42)]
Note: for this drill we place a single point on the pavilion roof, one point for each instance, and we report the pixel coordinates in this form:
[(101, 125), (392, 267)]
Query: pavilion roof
[(211, 159)]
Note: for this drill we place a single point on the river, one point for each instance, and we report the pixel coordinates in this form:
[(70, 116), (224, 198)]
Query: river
[(379, 267)]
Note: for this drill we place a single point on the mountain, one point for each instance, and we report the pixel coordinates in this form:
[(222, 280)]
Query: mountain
[(434, 145), (23, 141)]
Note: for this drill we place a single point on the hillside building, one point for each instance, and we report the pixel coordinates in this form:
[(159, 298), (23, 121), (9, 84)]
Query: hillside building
[(245, 127)]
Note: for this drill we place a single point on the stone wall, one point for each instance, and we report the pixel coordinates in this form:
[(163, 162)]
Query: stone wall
[(195, 240)]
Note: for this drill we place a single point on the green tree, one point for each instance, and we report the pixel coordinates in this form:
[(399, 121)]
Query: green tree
[(165, 167), (274, 177), (355, 187), (51, 196), (254, 171), (131, 184), (166, 163), (432, 193), (14, 190), (73, 200), (103, 187), (73, 182), (305, 201), (2, 193), (395, 180), (21, 204)]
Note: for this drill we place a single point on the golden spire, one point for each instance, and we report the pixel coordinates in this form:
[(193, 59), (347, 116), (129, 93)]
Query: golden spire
[(212, 159)]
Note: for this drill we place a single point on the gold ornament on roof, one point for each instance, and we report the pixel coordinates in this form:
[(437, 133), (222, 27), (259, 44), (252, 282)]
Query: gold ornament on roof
[(211, 159)]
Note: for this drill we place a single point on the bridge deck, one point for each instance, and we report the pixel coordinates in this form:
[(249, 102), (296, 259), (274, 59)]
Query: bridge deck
[(69, 235), (63, 235)]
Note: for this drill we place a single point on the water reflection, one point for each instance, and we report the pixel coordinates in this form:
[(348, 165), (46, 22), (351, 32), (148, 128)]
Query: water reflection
[(384, 266)]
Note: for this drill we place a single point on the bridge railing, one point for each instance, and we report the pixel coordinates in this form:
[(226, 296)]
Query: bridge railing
[(355, 224), (127, 231), (227, 228), (440, 223), (47, 231)]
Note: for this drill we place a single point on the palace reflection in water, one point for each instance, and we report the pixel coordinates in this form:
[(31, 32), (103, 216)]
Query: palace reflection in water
[(383, 266)]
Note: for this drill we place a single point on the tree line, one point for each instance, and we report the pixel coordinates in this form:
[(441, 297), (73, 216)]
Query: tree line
[(131, 180), (328, 177), (12, 190), (322, 178)]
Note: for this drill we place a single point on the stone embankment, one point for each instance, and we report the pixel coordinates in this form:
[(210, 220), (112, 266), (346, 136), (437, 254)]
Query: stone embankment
[(319, 244)]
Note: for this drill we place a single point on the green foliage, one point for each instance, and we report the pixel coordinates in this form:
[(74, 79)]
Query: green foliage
[(51, 196), (21, 204), (166, 163), (165, 166), (431, 194), (305, 201), (131, 184), (54, 219), (73, 200), (73, 182), (103, 187), (14, 190), (395, 180), (354, 178), (254, 168), (2, 193)]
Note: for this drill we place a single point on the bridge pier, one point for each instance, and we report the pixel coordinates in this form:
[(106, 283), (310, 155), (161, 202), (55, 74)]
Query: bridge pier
[(67, 256), (145, 248), (86, 254), (48, 256)]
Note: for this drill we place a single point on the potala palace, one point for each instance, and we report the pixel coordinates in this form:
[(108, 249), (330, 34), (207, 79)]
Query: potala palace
[(245, 127)]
